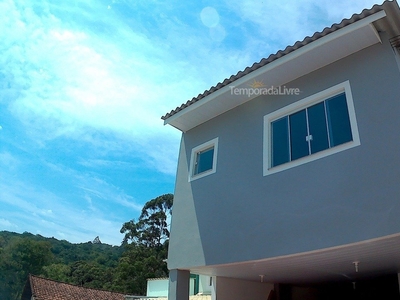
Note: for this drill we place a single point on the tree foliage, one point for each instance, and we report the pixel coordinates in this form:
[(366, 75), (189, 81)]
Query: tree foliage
[(57, 271), (19, 258), (146, 244), (151, 230)]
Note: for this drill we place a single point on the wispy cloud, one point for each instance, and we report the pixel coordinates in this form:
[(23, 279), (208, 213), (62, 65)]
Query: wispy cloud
[(81, 205), (43, 212), (99, 191), (104, 192), (100, 163), (9, 161), (5, 223), (65, 82)]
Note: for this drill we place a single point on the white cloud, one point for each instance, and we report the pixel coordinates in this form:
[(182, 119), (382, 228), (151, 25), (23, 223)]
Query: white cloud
[(7, 224), (104, 191), (70, 83), (162, 152), (73, 83)]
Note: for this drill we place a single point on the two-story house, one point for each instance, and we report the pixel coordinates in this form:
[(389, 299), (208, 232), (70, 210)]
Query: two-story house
[(288, 180)]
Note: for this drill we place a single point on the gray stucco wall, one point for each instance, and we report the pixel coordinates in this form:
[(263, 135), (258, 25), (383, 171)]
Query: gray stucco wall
[(237, 214)]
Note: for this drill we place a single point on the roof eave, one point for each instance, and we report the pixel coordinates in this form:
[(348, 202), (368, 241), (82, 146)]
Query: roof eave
[(356, 36)]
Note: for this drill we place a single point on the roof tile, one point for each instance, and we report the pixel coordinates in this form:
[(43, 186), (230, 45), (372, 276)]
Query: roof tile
[(46, 289)]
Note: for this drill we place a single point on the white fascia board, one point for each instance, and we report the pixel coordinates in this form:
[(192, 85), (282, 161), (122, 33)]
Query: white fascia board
[(174, 120)]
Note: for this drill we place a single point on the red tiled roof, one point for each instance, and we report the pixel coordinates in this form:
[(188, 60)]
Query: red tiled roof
[(299, 44), (46, 289)]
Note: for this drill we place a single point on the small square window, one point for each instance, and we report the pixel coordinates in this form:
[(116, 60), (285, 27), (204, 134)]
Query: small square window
[(311, 128), (203, 160)]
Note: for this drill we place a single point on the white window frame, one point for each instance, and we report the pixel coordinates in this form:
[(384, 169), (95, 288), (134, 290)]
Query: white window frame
[(302, 104), (195, 151)]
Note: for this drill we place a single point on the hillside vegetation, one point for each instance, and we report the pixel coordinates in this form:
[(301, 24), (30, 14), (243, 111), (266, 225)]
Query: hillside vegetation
[(92, 264)]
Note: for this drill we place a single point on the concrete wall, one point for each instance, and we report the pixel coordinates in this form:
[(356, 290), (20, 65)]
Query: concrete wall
[(237, 214), (157, 288), (178, 288), (235, 289), (204, 284)]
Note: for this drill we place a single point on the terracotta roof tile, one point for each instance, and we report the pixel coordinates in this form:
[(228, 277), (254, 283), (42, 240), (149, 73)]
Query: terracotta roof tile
[(46, 289), (299, 44)]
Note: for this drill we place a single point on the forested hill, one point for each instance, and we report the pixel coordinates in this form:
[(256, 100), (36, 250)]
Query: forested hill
[(83, 264), (64, 252), (92, 264)]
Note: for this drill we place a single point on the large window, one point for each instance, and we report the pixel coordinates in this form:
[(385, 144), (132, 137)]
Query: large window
[(309, 129), (203, 160)]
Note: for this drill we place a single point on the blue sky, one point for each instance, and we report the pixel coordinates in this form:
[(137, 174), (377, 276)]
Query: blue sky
[(83, 85)]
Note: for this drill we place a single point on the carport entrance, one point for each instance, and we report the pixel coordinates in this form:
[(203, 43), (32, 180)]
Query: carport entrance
[(383, 287)]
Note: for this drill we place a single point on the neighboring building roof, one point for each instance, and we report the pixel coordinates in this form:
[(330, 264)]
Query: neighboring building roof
[(45, 289), (193, 297), (265, 62), (159, 278)]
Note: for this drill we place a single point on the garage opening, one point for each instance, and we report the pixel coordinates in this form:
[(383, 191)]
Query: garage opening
[(382, 287)]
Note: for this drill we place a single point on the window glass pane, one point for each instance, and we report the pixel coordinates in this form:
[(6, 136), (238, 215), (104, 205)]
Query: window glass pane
[(204, 160), (338, 120), (317, 127), (280, 141), (298, 134)]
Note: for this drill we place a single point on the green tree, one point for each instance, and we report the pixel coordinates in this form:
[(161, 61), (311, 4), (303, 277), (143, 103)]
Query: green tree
[(19, 258), (137, 264), (89, 274), (58, 272), (146, 247), (152, 227)]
